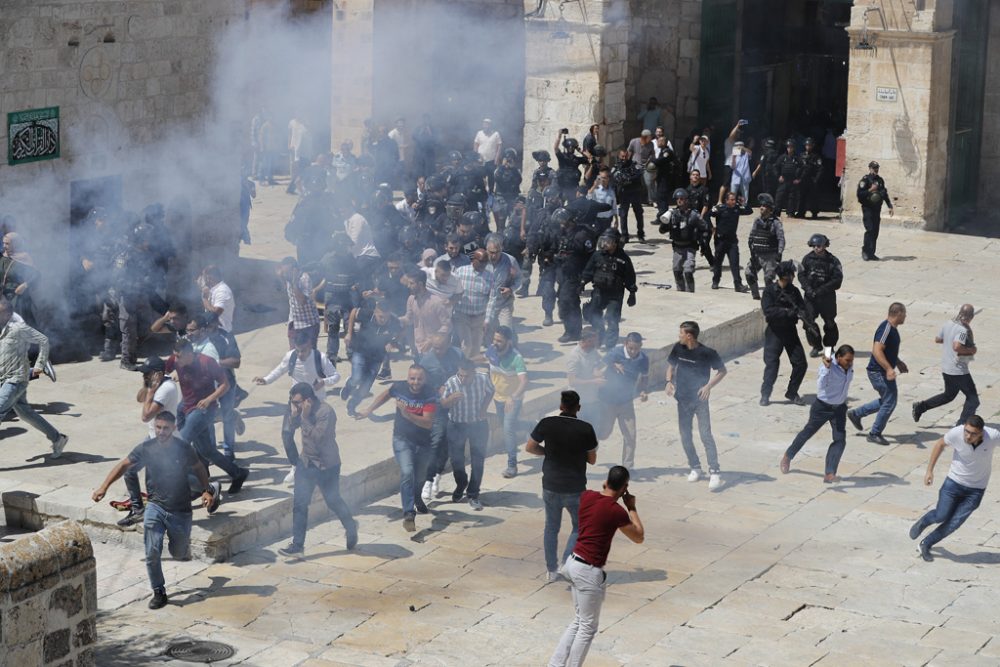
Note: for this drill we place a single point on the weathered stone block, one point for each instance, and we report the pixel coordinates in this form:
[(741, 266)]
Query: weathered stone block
[(86, 658), (24, 623), (86, 633), (56, 645), (68, 599)]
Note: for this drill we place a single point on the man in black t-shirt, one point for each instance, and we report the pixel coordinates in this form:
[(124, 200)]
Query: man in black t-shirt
[(689, 368), (570, 444), (416, 404), (173, 472)]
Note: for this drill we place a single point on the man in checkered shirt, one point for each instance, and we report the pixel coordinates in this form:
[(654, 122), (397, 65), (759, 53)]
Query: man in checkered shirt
[(467, 394), (302, 312)]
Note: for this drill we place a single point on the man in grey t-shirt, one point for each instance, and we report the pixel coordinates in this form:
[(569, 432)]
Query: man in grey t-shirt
[(958, 350), (583, 373)]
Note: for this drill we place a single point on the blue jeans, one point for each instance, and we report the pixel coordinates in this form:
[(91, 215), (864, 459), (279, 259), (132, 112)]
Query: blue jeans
[(555, 503), (821, 413), (14, 396), (363, 371), (955, 503), (307, 478), (156, 523), (478, 435), (439, 443), (509, 421), (884, 405), (687, 410), (413, 460), (199, 430)]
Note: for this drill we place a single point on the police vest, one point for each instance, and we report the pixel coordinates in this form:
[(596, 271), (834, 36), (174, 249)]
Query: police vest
[(763, 239), (606, 274), (817, 272), (684, 231)]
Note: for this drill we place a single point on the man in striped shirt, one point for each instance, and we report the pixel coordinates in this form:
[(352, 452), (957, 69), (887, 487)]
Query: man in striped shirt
[(302, 312), (466, 395), (469, 312)]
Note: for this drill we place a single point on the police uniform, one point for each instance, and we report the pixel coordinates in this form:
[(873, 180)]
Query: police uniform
[(506, 188), (871, 211), (611, 274), (812, 172), (575, 248), (789, 170), (340, 296), (767, 243), (568, 174), (699, 197), (539, 210), (821, 276), (543, 245), (726, 244), (627, 179), (133, 278), (782, 306), (687, 230), (768, 169)]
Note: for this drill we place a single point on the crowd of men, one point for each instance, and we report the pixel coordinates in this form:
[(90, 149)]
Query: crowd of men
[(435, 279)]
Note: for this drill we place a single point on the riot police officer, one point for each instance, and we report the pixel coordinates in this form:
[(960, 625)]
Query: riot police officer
[(506, 188), (767, 167), (541, 202), (575, 247), (812, 172), (339, 286), (611, 272), (687, 232), (727, 218), (568, 174), (821, 276), (766, 242), (782, 305), (871, 195), (789, 170), (542, 244), (133, 276)]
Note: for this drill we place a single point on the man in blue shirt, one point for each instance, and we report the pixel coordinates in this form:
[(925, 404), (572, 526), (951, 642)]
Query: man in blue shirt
[(626, 373), (830, 405), (883, 367)]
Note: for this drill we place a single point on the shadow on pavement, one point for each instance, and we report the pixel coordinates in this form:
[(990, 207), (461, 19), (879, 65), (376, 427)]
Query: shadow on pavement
[(216, 589), (876, 479), (635, 576), (68, 458), (733, 478), (975, 558)]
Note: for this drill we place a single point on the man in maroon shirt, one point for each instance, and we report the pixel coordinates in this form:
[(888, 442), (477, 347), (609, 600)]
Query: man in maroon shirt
[(600, 518), (202, 382)]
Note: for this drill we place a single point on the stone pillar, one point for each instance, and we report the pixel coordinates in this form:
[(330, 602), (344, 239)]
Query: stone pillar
[(898, 109), (353, 69), (48, 599), (576, 67)]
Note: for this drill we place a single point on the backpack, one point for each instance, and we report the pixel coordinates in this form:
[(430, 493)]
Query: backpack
[(317, 359)]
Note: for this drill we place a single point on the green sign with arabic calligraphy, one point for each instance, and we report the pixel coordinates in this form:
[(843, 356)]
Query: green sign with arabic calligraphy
[(32, 135)]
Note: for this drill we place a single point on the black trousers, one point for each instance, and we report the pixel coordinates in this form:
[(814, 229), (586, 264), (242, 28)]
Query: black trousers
[(808, 199), (953, 384), (819, 414), (824, 306), (872, 218), (787, 198), (774, 343), (636, 206), (727, 248), (605, 313), (568, 299)]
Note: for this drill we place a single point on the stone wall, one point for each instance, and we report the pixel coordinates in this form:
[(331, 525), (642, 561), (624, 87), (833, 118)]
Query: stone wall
[(665, 39), (896, 113), (989, 163), (576, 69), (132, 81), (48, 599)]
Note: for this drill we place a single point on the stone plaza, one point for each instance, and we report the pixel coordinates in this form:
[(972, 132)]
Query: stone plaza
[(770, 570)]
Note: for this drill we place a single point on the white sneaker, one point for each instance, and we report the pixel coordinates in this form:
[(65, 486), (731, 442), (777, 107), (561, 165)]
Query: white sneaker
[(553, 577), (59, 445), (694, 475), (290, 477), (714, 481), (427, 493), (435, 485)]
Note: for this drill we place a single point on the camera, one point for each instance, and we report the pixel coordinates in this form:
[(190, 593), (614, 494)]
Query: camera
[(564, 131)]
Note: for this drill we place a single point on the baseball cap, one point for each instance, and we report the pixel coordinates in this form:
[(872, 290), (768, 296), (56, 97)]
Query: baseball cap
[(152, 365)]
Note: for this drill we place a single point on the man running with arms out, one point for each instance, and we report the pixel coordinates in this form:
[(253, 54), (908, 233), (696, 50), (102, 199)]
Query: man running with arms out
[(173, 473), (958, 349), (600, 518), (963, 488)]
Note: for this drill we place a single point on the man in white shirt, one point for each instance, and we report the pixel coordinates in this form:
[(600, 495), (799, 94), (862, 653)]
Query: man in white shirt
[(362, 241), (603, 193), (401, 135), (971, 463), (958, 349), (441, 283), (488, 144), (297, 132), (303, 363), (217, 297)]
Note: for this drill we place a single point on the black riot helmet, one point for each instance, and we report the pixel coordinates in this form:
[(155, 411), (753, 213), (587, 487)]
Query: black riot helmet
[(765, 200), (454, 157), (455, 206), (570, 144), (510, 154), (599, 151), (819, 241), (786, 269), (770, 143), (541, 156), (473, 218), (608, 237), (552, 193), (680, 195), (789, 143), (562, 216)]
